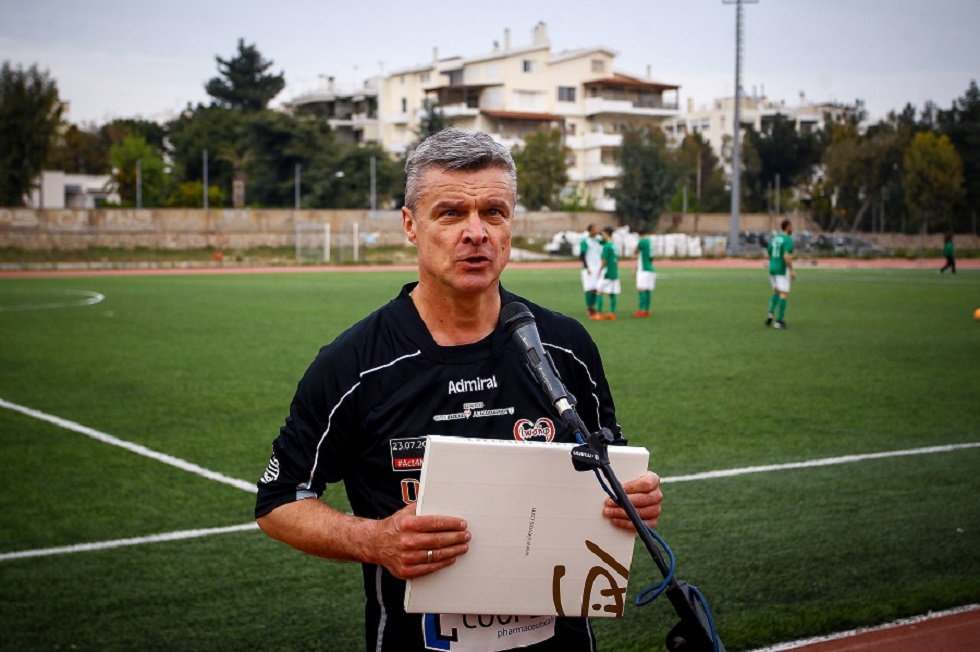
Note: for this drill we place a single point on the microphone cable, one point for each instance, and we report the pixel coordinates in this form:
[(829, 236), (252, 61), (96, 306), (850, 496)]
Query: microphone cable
[(654, 591)]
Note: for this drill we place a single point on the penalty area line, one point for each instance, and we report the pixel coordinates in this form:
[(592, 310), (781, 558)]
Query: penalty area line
[(176, 462), (120, 543)]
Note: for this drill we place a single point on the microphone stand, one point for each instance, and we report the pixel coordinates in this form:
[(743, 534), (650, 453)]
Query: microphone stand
[(694, 632)]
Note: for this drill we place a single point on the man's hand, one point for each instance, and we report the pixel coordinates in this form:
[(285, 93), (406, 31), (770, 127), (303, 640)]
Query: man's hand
[(644, 493), (412, 546)]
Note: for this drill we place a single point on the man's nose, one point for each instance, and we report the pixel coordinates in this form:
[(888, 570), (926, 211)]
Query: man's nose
[(474, 231)]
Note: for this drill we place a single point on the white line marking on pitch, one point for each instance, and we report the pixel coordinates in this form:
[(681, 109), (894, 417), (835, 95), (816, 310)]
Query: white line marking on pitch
[(792, 645), (119, 543), (91, 298), (251, 488), (134, 448), (827, 461)]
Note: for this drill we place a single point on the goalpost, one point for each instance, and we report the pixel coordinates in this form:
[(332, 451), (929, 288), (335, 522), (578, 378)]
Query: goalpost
[(315, 241), (312, 242)]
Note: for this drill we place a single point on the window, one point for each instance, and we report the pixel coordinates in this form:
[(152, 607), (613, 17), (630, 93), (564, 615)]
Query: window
[(598, 65), (528, 65), (424, 77), (404, 105), (566, 93)]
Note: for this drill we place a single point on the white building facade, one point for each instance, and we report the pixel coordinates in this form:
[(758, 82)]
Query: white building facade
[(510, 92), (714, 122), (57, 189)]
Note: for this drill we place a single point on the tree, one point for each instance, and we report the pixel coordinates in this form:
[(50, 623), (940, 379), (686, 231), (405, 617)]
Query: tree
[(647, 178), (864, 168), (79, 151), (244, 84), (782, 151), (138, 165), (962, 124), (30, 116), (542, 169), (209, 128), (431, 122), (190, 194), (933, 178), (115, 132), (702, 176)]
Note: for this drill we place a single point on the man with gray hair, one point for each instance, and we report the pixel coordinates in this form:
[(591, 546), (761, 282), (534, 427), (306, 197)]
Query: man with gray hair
[(362, 411)]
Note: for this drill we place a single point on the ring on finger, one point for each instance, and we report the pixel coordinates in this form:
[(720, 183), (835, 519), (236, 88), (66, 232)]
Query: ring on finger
[(428, 557)]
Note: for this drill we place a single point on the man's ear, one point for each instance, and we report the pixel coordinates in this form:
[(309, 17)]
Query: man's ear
[(408, 224)]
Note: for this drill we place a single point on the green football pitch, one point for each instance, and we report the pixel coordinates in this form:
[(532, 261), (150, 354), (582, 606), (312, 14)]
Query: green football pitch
[(816, 479)]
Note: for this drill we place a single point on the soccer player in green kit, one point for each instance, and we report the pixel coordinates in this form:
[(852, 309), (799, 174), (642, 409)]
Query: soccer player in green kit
[(780, 253), (646, 276), (590, 253), (608, 277)]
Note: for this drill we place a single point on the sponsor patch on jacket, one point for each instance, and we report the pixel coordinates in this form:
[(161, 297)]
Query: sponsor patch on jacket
[(473, 411), (473, 633), (407, 454), (472, 385), (541, 430)]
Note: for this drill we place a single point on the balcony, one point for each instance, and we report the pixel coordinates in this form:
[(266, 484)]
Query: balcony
[(593, 172), (460, 110), (594, 141), (650, 108)]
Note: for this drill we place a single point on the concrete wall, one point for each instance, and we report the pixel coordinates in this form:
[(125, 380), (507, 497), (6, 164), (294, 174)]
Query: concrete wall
[(68, 229)]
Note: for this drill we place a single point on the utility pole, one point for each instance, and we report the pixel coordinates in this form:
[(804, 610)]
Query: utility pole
[(374, 187), (733, 243), (299, 167), (204, 164)]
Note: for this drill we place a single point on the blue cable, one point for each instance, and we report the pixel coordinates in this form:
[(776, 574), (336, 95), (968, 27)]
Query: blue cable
[(707, 613)]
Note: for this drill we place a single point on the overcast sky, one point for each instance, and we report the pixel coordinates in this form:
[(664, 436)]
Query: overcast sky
[(134, 58)]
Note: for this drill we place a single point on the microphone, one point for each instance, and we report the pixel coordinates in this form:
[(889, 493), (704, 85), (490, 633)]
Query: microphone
[(519, 323)]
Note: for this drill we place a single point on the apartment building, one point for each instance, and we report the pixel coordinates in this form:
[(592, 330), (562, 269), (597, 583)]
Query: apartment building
[(352, 113), (714, 122), (509, 92)]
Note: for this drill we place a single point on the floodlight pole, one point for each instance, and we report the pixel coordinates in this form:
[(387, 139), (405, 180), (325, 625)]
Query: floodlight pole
[(733, 243)]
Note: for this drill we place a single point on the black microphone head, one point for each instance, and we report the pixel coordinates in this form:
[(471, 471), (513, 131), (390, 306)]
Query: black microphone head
[(513, 315)]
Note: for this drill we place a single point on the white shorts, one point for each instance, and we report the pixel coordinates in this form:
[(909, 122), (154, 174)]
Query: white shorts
[(645, 281), (590, 279), (609, 286), (779, 282)]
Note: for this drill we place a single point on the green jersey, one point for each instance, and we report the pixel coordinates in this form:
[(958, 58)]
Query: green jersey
[(611, 270), (644, 250), (948, 249), (779, 246)]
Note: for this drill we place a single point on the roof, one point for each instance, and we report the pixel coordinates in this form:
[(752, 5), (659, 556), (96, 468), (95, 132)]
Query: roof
[(623, 81), (521, 115), (582, 52)]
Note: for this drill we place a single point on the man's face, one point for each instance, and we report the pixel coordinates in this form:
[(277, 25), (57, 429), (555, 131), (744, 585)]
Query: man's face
[(462, 228)]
